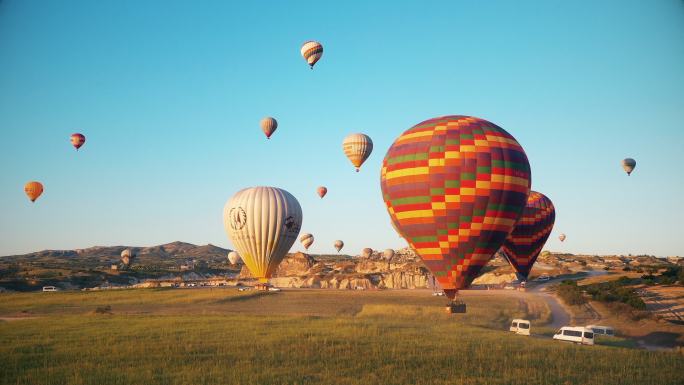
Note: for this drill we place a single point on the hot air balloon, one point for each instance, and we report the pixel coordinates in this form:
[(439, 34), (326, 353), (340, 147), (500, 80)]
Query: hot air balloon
[(561, 237), (339, 245), (322, 190), (455, 186), (628, 165), (33, 190), (388, 253), (306, 240), (127, 257), (367, 252), (77, 140), (268, 126), (233, 257), (312, 52), (357, 147), (262, 223), (525, 242)]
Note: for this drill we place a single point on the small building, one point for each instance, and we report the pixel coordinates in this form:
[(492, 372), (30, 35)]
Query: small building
[(114, 266)]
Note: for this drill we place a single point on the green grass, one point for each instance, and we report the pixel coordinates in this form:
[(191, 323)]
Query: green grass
[(296, 337)]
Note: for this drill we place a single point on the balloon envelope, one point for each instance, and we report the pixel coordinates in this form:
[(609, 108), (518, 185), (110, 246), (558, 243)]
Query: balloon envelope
[(77, 140), (262, 223), (127, 256), (628, 165), (233, 257), (388, 253), (339, 245), (33, 190), (268, 126), (455, 187), (525, 242), (367, 252), (322, 190), (561, 237), (312, 52), (306, 240), (357, 147)]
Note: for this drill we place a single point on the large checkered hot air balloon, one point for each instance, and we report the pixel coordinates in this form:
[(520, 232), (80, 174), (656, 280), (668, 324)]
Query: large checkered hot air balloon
[(525, 242), (455, 186)]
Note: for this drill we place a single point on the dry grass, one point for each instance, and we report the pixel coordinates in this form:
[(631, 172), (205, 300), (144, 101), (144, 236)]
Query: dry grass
[(296, 337)]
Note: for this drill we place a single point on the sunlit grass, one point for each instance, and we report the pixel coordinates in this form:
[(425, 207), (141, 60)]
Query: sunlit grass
[(297, 337)]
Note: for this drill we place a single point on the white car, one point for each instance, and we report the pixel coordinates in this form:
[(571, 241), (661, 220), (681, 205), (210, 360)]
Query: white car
[(543, 278), (438, 294), (520, 326), (244, 288), (274, 289), (576, 334)]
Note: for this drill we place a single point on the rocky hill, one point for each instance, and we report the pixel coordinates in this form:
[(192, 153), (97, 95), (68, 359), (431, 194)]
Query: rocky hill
[(177, 263)]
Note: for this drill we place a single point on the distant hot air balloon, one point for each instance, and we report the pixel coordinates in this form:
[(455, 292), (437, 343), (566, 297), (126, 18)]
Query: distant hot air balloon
[(455, 186), (628, 165), (262, 223), (127, 257), (312, 52), (322, 190), (388, 253), (306, 240), (77, 140), (233, 257), (269, 125), (357, 147), (561, 237), (339, 245), (525, 242), (33, 190), (367, 252)]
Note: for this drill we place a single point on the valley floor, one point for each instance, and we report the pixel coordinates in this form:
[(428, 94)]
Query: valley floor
[(222, 336)]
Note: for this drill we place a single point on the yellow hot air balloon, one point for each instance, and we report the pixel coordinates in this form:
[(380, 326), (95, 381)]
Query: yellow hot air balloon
[(312, 52), (339, 245), (306, 239), (263, 223), (33, 190), (357, 147)]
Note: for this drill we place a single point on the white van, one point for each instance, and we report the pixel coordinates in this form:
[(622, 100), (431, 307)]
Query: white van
[(49, 288), (576, 334), (602, 330), (520, 326)]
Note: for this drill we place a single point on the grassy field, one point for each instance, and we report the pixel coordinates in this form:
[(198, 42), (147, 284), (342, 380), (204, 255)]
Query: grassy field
[(297, 337)]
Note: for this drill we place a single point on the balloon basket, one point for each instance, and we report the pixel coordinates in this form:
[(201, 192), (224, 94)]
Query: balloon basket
[(455, 308), (261, 286)]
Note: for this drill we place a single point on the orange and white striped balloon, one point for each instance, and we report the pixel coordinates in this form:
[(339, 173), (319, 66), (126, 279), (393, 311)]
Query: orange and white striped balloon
[(357, 147), (33, 190), (306, 240), (269, 125), (312, 52)]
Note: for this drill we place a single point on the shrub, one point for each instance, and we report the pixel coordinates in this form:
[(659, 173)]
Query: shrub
[(571, 293)]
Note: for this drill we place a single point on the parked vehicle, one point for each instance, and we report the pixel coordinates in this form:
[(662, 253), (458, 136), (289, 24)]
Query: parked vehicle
[(576, 334), (543, 278), (602, 330), (520, 326), (273, 289), (50, 288), (244, 288)]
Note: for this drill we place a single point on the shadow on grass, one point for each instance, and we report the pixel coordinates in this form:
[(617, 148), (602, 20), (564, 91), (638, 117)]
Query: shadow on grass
[(243, 297)]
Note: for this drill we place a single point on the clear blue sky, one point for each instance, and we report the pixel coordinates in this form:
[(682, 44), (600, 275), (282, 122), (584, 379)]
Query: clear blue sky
[(170, 94)]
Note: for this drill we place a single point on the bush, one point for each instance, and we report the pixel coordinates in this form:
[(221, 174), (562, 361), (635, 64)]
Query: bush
[(571, 293)]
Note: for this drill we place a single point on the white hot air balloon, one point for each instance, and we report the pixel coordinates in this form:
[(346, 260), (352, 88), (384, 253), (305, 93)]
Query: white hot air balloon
[(339, 245), (233, 257), (367, 252), (127, 257), (306, 240), (262, 223), (388, 253)]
